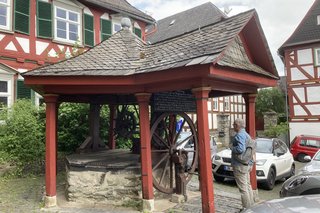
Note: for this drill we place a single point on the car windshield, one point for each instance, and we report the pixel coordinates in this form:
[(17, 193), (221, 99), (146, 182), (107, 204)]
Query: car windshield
[(264, 146), (317, 157)]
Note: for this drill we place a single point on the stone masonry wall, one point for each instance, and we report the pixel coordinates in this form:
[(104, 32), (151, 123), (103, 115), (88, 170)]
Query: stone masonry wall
[(114, 187)]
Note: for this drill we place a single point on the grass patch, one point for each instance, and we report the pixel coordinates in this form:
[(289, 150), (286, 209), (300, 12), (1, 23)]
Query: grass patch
[(21, 194)]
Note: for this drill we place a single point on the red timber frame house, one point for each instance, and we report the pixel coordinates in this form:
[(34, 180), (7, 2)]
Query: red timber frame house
[(301, 56), (40, 32), (228, 57)]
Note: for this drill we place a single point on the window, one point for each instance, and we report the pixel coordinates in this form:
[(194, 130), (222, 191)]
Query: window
[(318, 19), (226, 103), (67, 25), (215, 104), (138, 32), (310, 143), (5, 14), (116, 27), (5, 93), (317, 57), (279, 147)]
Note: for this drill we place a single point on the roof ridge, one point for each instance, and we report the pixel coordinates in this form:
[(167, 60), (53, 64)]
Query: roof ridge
[(204, 27), (187, 10)]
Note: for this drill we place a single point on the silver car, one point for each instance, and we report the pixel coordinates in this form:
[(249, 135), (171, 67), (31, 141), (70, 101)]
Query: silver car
[(306, 182), (298, 204)]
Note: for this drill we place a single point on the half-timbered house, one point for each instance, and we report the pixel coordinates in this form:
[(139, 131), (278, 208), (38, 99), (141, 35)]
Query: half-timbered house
[(38, 32), (301, 56)]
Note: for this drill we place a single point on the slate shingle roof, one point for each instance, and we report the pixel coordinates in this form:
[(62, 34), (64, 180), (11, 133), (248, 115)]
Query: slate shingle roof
[(307, 31), (186, 21), (125, 54), (121, 6)]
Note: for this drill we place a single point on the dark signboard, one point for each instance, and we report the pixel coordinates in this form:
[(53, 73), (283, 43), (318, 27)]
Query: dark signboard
[(178, 101)]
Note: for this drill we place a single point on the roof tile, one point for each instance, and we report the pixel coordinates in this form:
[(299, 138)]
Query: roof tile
[(126, 54)]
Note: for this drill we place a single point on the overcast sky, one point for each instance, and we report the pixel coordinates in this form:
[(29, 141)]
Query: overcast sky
[(279, 18)]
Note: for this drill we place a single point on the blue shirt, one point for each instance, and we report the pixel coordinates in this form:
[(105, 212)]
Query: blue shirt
[(238, 145)]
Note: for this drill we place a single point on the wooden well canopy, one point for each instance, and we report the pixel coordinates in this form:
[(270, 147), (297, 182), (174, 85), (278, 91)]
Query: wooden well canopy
[(225, 58)]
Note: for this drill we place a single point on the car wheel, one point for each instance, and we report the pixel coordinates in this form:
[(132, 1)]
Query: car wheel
[(292, 171), (301, 157), (218, 178), (271, 179)]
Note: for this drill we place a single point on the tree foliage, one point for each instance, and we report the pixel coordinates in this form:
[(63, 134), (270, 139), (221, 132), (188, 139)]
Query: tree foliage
[(270, 99), (73, 125)]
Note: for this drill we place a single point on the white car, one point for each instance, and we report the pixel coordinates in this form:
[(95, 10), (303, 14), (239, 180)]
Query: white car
[(273, 162)]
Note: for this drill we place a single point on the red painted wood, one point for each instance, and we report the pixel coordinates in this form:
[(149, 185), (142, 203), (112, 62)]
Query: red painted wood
[(250, 100), (146, 163), (97, 27), (239, 75), (112, 126), (205, 165), (258, 45), (51, 144)]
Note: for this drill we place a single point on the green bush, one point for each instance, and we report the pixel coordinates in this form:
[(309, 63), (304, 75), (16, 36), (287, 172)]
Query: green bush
[(22, 133), (123, 143), (275, 131)]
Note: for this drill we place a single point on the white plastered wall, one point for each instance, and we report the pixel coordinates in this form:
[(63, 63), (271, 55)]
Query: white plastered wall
[(304, 128)]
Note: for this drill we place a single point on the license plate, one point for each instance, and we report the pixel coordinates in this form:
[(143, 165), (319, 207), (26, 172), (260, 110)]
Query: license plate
[(228, 168)]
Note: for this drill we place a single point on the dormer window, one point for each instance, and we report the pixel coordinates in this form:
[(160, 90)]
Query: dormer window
[(116, 27), (318, 19)]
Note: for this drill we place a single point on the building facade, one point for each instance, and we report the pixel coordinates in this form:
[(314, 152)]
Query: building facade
[(301, 56), (34, 33)]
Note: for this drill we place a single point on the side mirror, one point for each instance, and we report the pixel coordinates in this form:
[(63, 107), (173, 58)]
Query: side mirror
[(307, 158), (278, 154)]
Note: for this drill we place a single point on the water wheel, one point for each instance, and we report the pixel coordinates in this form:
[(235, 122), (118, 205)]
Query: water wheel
[(167, 139)]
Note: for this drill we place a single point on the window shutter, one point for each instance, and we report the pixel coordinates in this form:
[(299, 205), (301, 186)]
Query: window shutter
[(21, 16), (88, 30), (137, 31), (22, 90), (44, 19), (105, 29)]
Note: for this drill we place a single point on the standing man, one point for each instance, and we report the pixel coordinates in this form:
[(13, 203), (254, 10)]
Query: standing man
[(241, 172)]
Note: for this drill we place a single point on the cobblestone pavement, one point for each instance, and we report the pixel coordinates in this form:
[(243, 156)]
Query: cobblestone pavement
[(224, 203)]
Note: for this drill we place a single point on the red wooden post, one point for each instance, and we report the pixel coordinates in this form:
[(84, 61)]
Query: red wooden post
[(51, 149), (146, 163), (250, 100), (112, 126), (206, 181)]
